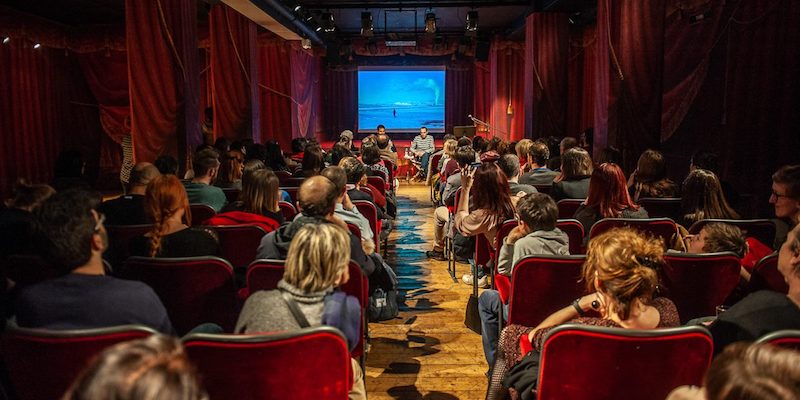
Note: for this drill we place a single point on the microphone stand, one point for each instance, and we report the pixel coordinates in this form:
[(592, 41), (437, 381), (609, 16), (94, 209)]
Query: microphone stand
[(487, 125)]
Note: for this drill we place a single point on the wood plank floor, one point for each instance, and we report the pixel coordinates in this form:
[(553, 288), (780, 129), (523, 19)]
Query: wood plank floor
[(425, 353)]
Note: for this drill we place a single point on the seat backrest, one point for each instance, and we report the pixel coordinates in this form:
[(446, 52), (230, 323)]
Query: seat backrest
[(698, 283), (367, 190), (231, 194), (264, 275), (200, 213), (239, 243), (662, 228), (283, 177), (542, 285), (265, 366), (502, 232), (482, 253), (368, 210), (567, 207), (575, 233), (546, 189), (194, 290), (378, 183), (668, 207), (355, 230), (288, 210), (766, 276), (292, 191), (43, 363), (434, 163), (586, 362), (788, 338), (761, 229), (119, 238)]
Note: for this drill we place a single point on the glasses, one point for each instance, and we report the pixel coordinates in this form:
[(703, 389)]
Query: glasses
[(100, 220), (778, 195)]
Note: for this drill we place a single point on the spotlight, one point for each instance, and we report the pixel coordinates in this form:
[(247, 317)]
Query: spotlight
[(319, 28), (430, 22), (297, 8), (328, 24), (37, 45), (472, 21), (366, 24), (6, 40), (306, 43)]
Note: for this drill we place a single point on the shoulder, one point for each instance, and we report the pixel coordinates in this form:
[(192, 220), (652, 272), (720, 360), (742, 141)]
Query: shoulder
[(668, 312)]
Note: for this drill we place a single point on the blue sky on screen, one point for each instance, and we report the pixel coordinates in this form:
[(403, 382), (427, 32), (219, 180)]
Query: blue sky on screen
[(401, 88)]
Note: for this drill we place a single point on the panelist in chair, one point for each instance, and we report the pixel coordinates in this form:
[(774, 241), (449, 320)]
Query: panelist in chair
[(422, 147)]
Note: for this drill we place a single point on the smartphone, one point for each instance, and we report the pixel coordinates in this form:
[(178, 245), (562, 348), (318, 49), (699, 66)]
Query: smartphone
[(475, 165)]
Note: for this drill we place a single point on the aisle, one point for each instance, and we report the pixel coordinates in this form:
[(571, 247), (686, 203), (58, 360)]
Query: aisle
[(426, 353)]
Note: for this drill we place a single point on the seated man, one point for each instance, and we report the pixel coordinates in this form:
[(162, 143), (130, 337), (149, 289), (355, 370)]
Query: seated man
[(536, 234), (539, 174), (347, 211), (388, 152), (422, 147), (74, 239), (200, 189), (509, 164), (464, 156), (764, 311), (786, 199), (128, 209)]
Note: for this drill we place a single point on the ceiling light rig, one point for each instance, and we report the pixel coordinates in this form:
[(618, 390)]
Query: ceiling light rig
[(6, 40), (37, 46), (367, 30), (472, 22), (430, 21), (327, 23)]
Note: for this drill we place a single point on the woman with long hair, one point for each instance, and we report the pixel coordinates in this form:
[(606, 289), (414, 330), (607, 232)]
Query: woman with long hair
[(608, 198), (257, 203), (491, 206), (573, 180), (230, 171), (703, 199), (313, 162), (621, 273), (650, 178), (166, 203)]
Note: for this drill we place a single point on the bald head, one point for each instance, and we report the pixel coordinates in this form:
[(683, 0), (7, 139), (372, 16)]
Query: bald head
[(141, 174), (317, 196)]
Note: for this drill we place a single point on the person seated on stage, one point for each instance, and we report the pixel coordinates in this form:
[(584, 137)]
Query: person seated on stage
[(230, 171), (316, 200), (257, 203), (422, 147), (522, 148), (786, 200), (764, 311), (621, 269), (316, 265), (346, 210), (299, 145), (387, 149), (509, 164), (313, 162), (539, 174), (128, 209), (171, 236), (573, 180), (464, 156), (205, 165), (703, 199), (650, 178), (155, 367), (536, 234), (72, 240)]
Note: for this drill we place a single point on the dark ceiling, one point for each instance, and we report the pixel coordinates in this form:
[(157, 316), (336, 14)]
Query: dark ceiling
[(73, 12)]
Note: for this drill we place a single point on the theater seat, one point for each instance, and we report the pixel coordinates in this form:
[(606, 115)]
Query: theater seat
[(788, 338), (200, 213), (766, 276), (698, 283), (543, 285), (288, 210), (761, 229), (662, 228)]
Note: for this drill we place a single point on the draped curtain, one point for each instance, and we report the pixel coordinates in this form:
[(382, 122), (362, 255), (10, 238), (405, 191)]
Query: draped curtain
[(459, 92), (581, 80), (275, 101), (482, 99), (340, 101), (305, 69), (546, 57), (507, 64)]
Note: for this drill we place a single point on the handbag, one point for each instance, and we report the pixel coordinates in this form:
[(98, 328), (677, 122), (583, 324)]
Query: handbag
[(472, 317)]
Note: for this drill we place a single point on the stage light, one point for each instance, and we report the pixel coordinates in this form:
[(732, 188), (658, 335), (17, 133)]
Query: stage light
[(297, 8), (319, 28), (37, 45), (328, 24), (472, 21), (430, 22), (6, 40), (366, 24)]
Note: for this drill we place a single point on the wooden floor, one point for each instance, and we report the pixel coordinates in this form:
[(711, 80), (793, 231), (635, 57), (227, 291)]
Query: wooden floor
[(425, 353)]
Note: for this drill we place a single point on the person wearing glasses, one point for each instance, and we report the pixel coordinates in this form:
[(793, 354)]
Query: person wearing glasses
[(73, 240), (785, 197)]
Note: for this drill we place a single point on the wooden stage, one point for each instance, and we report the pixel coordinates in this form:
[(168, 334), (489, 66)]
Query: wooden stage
[(425, 353)]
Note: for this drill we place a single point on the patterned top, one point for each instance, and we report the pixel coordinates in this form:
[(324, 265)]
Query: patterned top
[(420, 144)]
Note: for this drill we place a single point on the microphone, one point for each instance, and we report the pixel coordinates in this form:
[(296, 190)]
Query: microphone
[(470, 116)]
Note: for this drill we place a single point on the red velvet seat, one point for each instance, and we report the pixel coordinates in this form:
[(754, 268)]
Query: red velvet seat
[(239, 243), (788, 338), (200, 213), (766, 276), (761, 229), (119, 237), (662, 228), (311, 363), (264, 275), (292, 191), (354, 230), (283, 177), (567, 207), (587, 362), (668, 207), (231, 194), (698, 283), (378, 183), (367, 190), (543, 285), (194, 290), (502, 283), (575, 233), (43, 363), (546, 189), (369, 212), (288, 210)]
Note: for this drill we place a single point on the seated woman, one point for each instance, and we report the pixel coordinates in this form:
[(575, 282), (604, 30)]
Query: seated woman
[(703, 199), (576, 172), (257, 203), (166, 203), (650, 178), (230, 171), (621, 271), (491, 207), (316, 265), (608, 198), (371, 157), (313, 162)]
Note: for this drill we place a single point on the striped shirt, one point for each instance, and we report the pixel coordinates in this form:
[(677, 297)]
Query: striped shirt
[(420, 144)]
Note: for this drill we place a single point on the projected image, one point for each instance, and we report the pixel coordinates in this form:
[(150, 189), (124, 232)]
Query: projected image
[(400, 99)]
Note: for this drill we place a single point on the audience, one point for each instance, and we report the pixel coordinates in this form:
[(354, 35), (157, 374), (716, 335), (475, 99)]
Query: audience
[(146, 369), (538, 173), (522, 149), (650, 177), (257, 203), (441, 215), (509, 165), (230, 171), (371, 157), (73, 239), (17, 222), (299, 145), (274, 157), (573, 180), (785, 198), (171, 236), (337, 153), (356, 178), (709, 161), (608, 198), (387, 149), (128, 209), (703, 199), (346, 210), (535, 234), (166, 165), (621, 269), (313, 162), (205, 165), (564, 144)]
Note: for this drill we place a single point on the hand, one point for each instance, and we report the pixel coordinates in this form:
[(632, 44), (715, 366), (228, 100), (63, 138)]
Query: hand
[(467, 173), (347, 203), (517, 233)]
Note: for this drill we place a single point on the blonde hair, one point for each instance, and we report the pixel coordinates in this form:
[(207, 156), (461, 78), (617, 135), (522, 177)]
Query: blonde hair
[(450, 147), (318, 255), (753, 371), (523, 148), (625, 262)]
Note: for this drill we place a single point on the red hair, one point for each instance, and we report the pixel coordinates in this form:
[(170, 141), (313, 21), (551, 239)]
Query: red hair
[(492, 192), (608, 190), (165, 195)]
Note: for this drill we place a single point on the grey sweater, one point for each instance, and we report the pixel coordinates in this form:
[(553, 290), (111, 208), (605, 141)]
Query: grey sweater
[(547, 243), (266, 311)]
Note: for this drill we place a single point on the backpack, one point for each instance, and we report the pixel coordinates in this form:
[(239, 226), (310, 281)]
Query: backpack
[(384, 296)]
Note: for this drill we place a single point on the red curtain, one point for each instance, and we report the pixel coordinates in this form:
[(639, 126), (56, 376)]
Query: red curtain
[(581, 80), (233, 68), (163, 76), (482, 100), (546, 52), (507, 94), (305, 71), (340, 101), (275, 101), (459, 92)]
